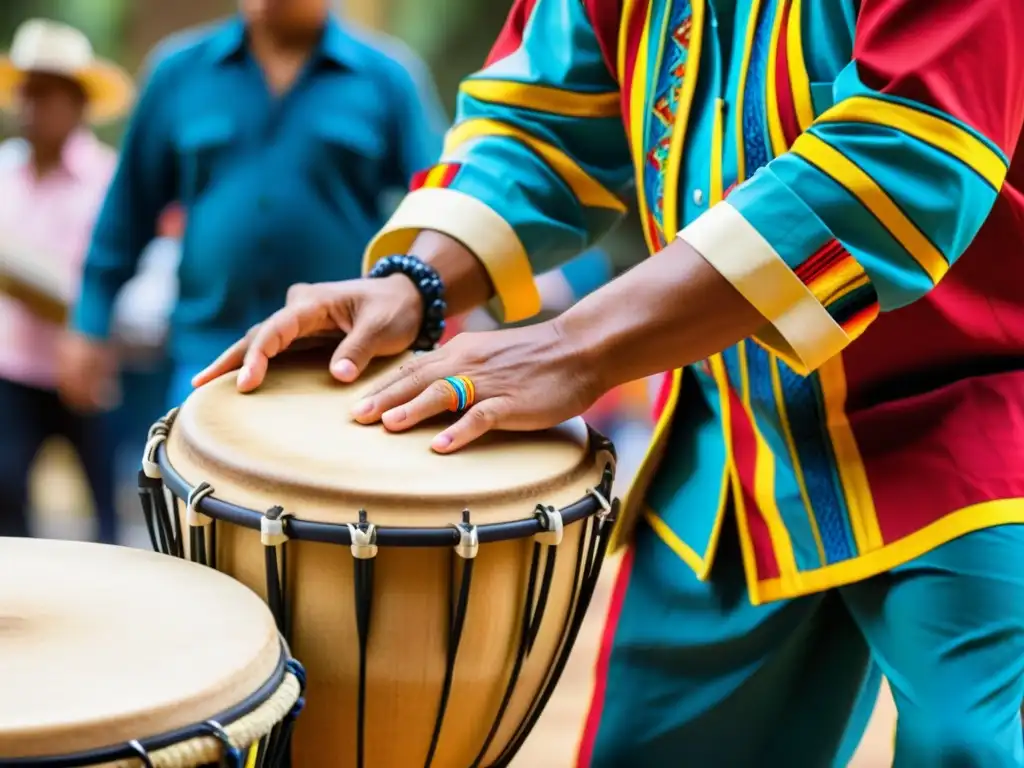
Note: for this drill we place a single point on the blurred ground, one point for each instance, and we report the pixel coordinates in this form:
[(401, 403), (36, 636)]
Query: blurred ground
[(62, 510)]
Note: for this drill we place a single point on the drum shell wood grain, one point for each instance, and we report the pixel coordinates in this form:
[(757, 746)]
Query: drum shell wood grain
[(408, 640)]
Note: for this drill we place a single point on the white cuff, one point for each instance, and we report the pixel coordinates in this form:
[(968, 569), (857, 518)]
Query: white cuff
[(474, 224), (802, 332)]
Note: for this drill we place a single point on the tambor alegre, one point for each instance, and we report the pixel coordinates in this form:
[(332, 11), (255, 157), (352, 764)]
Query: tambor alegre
[(433, 599), (119, 657)]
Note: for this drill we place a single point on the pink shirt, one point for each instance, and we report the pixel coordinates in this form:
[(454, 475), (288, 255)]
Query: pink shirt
[(52, 216)]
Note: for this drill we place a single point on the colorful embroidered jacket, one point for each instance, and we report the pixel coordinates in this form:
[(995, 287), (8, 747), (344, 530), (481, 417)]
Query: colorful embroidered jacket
[(873, 216)]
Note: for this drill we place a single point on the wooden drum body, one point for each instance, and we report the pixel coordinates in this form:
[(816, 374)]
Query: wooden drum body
[(112, 656), (433, 599)]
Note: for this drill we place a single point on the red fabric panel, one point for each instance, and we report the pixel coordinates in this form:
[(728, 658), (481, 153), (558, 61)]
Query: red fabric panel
[(783, 85), (586, 752), (944, 450), (511, 35), (605, 16), (963, 57), (744, 446)]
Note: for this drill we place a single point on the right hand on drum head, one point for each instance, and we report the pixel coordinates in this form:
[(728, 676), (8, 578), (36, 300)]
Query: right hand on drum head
[(378, 317)]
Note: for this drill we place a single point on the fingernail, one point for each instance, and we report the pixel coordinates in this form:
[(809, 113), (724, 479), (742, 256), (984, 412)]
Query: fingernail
[(396, 415), (441, 442), (244, 376), (363, 407), (344, 370)]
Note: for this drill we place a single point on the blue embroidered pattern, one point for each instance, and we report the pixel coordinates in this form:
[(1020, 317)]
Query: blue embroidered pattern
[(801, 396), (665, 107)]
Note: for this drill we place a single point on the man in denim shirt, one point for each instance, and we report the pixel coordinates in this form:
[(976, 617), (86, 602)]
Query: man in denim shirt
[(281, 131)]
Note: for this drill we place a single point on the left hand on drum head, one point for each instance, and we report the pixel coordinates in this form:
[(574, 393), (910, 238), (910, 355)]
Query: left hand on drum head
[(522, 379), (378, 317)]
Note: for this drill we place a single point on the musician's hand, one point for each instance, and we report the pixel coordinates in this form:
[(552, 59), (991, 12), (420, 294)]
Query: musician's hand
[(525, 379), (380, 316), (87, 374)]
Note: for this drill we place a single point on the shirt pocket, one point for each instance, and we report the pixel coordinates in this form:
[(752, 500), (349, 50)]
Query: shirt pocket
[(352, 159), (203, 148)]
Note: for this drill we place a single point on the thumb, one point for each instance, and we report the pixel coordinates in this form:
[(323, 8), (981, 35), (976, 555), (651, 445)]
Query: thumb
[(357, 349)]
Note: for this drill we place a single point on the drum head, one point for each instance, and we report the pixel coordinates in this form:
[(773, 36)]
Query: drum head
[(100, 645), (294, 440)]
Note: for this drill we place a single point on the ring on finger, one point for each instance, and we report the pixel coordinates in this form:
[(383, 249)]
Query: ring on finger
[(461, 391)]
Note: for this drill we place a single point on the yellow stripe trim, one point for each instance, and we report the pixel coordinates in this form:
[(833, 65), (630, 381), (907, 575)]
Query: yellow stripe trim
[(670, 214), (673, 542), (852, 475), (798, 79), (586, 188), (794, 457), (850, 287), (436, 176), (945, 135), (778, 138), (717, 365), (543, 98), (637, 111), (627, 13), (836, 278), (987, 514), (701, 565), (633, 498), (875, 199), (748, 46), (717, 140), (764, 482)]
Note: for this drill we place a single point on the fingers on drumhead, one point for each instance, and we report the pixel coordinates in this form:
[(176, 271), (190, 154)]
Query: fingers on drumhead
[(352, 355), (475, 423), (229, 360), (437, 398)]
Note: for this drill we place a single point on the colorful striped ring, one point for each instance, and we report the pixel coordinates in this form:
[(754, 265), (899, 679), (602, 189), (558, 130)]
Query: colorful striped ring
[(463, 393)]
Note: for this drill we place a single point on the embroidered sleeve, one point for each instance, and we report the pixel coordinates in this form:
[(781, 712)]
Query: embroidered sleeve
[(536, 166), (884, 191)]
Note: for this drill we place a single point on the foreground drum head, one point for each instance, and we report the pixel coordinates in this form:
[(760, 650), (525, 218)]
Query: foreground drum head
[(100, 645), (294, 443)]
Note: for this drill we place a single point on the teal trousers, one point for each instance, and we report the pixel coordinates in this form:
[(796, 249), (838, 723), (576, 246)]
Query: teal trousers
[(692, 674)]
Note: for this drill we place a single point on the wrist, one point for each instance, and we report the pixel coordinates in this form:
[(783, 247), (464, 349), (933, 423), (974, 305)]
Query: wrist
[(587, 347), (467, 284), (411, 274)]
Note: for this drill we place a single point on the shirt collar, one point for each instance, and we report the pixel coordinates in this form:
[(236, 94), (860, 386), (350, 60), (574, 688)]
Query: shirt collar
[(336, 45), (81, 159)]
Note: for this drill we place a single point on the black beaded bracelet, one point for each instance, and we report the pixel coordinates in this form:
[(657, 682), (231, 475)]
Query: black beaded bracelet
[(431, 289)]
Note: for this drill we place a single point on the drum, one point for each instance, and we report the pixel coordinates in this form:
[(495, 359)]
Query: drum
[(433, 599), (120, 657)]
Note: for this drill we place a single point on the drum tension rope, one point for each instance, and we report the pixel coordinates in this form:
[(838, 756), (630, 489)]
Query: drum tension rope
[(274, 537), (203, 551)]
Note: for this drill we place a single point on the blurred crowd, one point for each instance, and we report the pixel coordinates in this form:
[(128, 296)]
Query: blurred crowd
[(258, 151)]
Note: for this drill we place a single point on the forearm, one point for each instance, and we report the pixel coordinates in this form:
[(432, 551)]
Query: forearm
[(669, 311), (467, 284)]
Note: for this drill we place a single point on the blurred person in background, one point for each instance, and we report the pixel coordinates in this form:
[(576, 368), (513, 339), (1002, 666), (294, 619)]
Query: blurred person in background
[(52, 182), (281, 132), (142, 313)]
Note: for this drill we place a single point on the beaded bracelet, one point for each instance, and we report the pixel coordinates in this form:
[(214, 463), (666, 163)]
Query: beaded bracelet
[(431, 289)]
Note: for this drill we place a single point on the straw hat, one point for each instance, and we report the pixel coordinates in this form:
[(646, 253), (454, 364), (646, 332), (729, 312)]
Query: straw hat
[(58, 49)]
